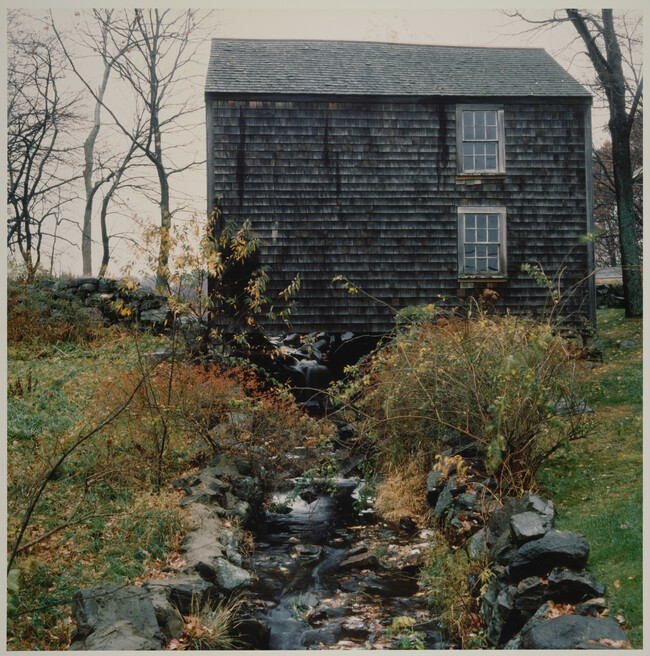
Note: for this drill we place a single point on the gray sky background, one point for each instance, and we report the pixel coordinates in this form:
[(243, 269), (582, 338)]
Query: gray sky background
[(365, 20)]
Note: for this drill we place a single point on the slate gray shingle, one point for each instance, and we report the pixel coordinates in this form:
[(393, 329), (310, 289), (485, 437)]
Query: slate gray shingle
[(355, 68)]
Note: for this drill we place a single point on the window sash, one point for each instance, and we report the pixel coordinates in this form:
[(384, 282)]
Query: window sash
[(481, 242), (480, 139)]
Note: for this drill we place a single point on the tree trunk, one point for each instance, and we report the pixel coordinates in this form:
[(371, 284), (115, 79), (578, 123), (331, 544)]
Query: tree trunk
[(89, 156), (609, 69), (106, 254), (162, 273), (86, 232), (632, 288)]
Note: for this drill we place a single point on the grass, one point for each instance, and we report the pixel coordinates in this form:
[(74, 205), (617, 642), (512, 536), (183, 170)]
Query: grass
[(597, 485), (119, 532)]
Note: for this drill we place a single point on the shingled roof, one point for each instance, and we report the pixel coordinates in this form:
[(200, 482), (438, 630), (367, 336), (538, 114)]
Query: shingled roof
[(358, 68)]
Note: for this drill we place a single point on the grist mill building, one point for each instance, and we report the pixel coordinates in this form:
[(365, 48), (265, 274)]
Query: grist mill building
[(418, 172)]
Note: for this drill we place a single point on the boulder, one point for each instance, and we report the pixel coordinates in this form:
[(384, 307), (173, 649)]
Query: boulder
[(154, 316), (555, 549), (229, 577), (447, 496), (627, 343), (113, 617), (573, 632), (502, 549), (186, 592), (169, 619), (593, 607), (529, 525), (500, 520), (107, 604), (573, 587), (530, 595), (476, 547), (122, 635), (360, 561), (496, 610)]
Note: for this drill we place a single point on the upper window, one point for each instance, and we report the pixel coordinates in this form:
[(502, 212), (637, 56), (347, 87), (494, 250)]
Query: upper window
[(480, 139), (481, 242)]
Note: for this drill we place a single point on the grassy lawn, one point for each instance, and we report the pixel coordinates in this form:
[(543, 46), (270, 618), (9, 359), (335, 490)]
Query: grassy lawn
[(597, 486)]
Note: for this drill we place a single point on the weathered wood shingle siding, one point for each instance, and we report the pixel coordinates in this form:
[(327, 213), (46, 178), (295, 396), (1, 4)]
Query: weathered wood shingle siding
[(368, 190)]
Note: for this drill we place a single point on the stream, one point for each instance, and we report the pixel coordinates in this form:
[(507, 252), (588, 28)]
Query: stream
[(327, 577)]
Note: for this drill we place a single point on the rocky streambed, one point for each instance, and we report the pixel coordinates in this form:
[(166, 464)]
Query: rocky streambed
[(323, 575), (328, 577)]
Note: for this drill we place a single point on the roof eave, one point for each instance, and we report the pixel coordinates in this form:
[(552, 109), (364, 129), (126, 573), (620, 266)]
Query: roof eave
[(411, 98)]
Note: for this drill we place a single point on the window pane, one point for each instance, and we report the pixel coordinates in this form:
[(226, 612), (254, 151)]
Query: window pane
[(481, 250), (480, 119), (479, 148), (490, 163), (493, 251), (468, 163), (491, 132), (493, 265), (470, 236), (481, 235), (480, 132), (470, 220), (493, 221), (491, 118), (470, 260), (490, 149), (493, 236), (480, 162), (481, 220), (481, 264), (468, 125)]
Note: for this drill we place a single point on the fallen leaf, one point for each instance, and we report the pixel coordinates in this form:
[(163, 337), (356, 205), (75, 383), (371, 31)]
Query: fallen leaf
[(617, 584), (617, 644)]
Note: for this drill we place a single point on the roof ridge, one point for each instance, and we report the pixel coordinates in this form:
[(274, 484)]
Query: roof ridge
[(383, 43)]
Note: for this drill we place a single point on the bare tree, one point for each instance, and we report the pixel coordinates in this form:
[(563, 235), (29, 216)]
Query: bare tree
[(95, 36), (608, 252), (163, 43), (163, 48), (611, 44), (39, 118)]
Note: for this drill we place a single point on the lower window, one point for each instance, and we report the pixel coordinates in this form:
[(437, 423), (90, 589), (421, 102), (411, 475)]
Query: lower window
[(481, 242)]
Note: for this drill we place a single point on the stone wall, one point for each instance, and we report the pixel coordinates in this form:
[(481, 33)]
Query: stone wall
[(143, 618), (539, 594), (110, 296)]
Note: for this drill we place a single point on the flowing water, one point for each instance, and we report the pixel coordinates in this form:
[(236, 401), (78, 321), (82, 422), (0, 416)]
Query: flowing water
[(319, 584)]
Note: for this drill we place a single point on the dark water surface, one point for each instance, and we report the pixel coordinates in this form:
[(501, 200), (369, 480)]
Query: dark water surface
[(310, 601)]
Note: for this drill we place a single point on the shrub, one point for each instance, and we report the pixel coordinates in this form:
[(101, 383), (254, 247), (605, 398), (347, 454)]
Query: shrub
[(186, 407), (506, 384)]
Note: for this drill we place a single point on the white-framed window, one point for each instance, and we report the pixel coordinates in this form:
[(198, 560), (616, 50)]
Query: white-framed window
[(480, 139), (482, 242)]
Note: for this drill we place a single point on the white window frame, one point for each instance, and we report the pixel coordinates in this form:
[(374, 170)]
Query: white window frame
[(499, 140), (462, 241)]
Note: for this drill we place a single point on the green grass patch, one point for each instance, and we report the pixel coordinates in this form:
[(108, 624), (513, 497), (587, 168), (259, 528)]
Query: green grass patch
[(597, 485)]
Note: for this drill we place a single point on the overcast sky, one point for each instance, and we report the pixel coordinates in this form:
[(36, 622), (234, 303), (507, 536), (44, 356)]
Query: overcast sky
[(366, 20)]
